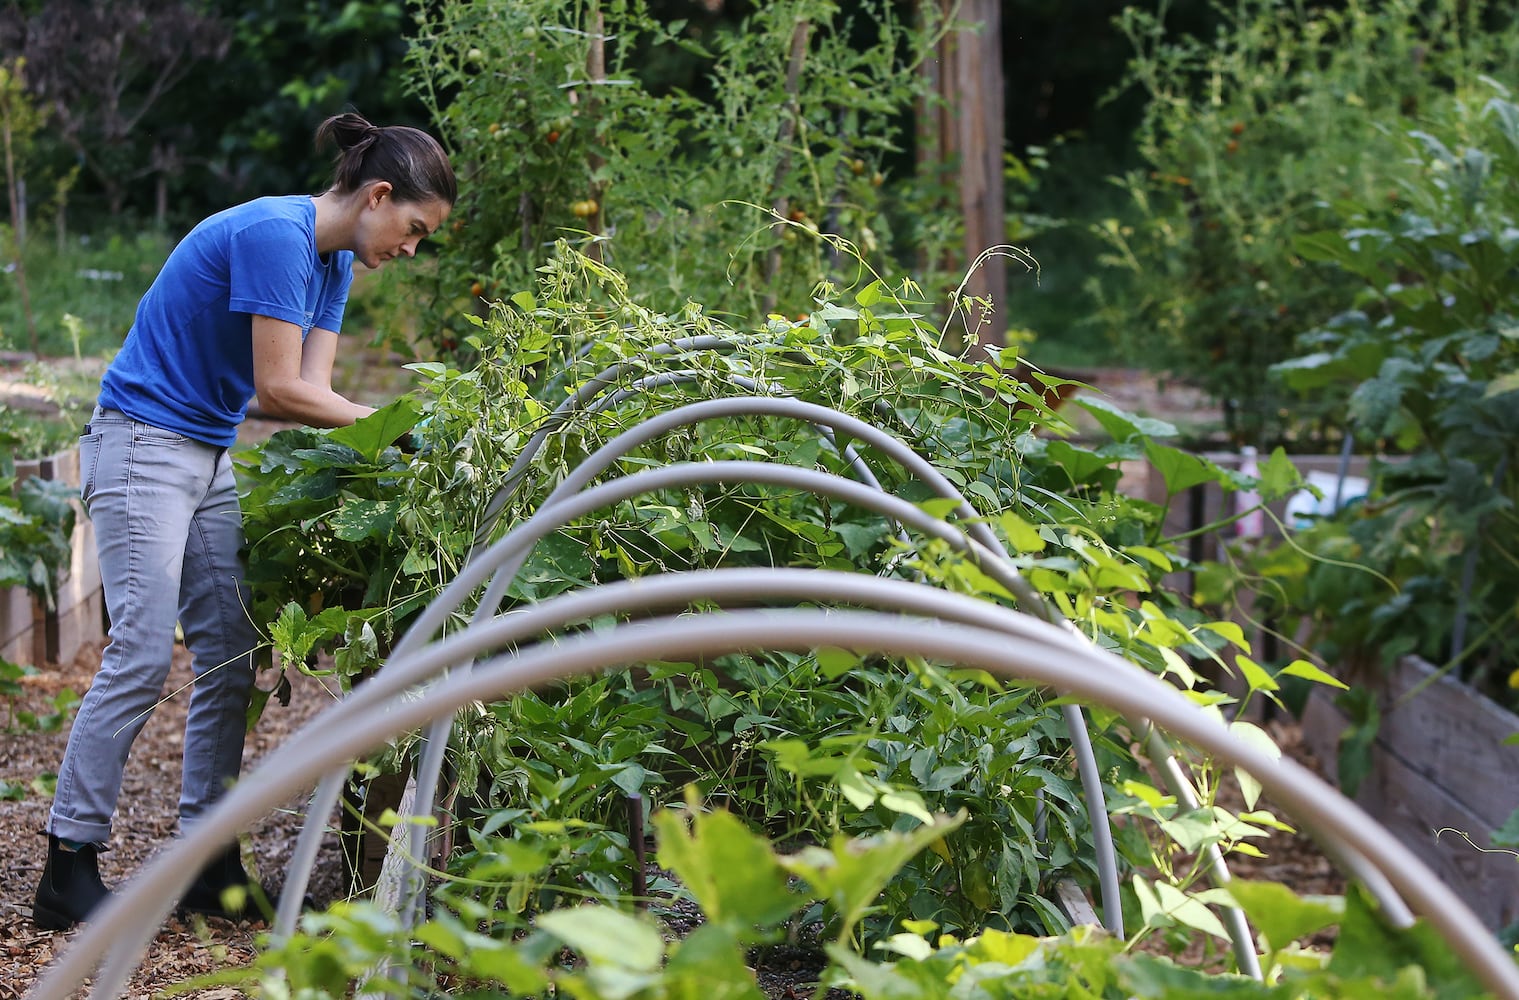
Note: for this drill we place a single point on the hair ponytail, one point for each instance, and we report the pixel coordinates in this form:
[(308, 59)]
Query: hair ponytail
[(412, 161)]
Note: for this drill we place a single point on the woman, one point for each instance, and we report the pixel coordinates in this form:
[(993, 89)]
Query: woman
[(251, 301)]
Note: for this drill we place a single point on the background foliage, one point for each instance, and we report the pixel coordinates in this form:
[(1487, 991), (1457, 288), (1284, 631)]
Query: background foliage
[(1427, 355), (1291, 119)]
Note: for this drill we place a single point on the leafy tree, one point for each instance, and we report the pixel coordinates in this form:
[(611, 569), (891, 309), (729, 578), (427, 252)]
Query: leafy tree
[(102, 69), (287, 67)]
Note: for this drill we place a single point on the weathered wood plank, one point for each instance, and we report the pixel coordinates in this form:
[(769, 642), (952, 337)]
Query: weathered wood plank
[(1439, 765), (1073, 902), (21, 636), (1454, 737), (18, 626), (79, 614)]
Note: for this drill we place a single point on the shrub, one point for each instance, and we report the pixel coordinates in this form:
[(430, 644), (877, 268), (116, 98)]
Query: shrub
[(1430, 358), (1289, 122), (350, 536)]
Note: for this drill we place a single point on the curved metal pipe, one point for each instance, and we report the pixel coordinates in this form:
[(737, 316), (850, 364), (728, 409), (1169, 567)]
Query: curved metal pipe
[(897, 450), (551, 516), (993, 561), (128, 921)]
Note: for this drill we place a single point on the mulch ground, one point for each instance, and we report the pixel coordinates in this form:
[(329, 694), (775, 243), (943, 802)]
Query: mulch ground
[(146, 823)]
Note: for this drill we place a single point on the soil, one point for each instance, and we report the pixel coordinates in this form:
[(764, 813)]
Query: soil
[(145, 823), (146, 819)]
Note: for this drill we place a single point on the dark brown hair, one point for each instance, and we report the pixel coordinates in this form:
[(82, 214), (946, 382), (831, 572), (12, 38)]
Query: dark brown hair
[(410, 159)]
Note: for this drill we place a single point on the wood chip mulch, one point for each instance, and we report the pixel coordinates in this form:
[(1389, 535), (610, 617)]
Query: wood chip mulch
[(147, 818), (146, 821)]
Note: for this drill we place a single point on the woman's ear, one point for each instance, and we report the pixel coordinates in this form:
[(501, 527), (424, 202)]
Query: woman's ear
[(378, 191)]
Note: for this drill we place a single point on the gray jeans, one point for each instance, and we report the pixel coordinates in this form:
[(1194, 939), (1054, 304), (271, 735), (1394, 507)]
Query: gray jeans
[(168, 531)]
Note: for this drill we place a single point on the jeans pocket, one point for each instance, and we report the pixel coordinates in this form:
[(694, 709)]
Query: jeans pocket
[(89, 463), (149, 434)]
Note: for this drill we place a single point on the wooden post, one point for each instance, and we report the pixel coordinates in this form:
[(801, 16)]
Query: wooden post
[(596, 74), (801, 33), (964, 131)]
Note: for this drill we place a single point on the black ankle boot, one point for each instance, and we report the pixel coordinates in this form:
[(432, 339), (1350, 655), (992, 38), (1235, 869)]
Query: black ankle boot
[(70, 887), (208, 894)]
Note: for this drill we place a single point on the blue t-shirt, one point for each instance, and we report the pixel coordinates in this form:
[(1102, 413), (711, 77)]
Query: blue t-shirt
[(187, 364)]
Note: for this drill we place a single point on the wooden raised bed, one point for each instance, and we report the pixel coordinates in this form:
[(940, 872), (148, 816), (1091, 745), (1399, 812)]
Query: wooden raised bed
[(1440, 770), (33, 634)]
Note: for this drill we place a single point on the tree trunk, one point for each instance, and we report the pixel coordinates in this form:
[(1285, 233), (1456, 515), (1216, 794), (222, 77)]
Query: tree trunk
[(596, 74), (18, 228)]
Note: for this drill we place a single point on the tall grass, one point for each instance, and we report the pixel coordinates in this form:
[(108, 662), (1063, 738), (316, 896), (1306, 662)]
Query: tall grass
[(97, 280)]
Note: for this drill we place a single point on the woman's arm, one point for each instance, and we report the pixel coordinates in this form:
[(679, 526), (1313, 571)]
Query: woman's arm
[(294, 381)]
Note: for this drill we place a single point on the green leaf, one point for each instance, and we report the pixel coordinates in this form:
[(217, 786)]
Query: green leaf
[(1149, 976), (603, 935), (709, 963), (1358, 738), (372, 434), (1255, 675), (1080, 464), (1367, 946), (1154, 557), (358, 520), (1280, 914), (292, 635), (1230, 631), (859, 539), (1248, 732), (1307, 671), (1023, 536), (1508, 382), (1278, 476), (1311, 371), (1123, 426), (1188, 910), (1148, 794), (1181, 470), (835, 662), (850, 874), (732, 874), (361, 647), (869, 295), (257, 700), (1507, 835)]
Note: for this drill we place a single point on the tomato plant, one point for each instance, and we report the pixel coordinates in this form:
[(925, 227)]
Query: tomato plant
[(547, 109), (350, 535)]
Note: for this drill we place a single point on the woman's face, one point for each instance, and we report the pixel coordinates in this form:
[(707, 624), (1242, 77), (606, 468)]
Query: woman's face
[(389, 228)]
